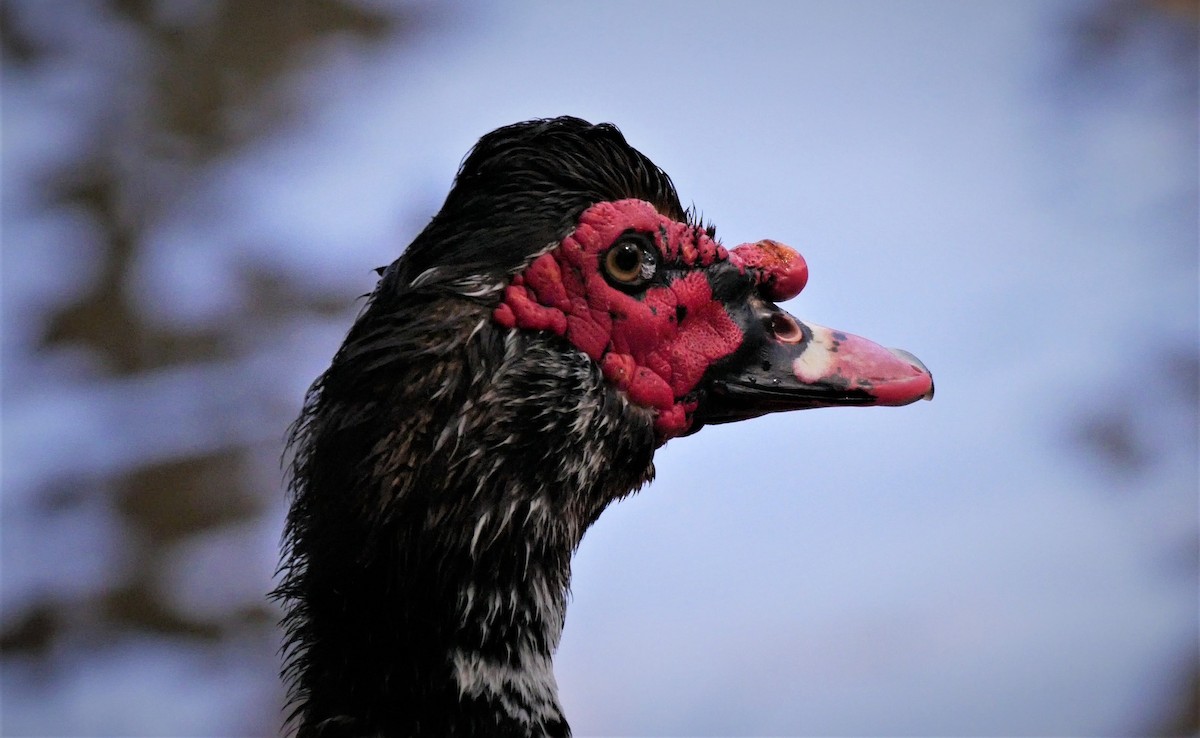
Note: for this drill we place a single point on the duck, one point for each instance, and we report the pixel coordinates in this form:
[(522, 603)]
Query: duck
[(511, 375)]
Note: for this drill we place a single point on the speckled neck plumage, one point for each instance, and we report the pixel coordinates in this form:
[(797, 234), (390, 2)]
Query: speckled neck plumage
[(442, 492)]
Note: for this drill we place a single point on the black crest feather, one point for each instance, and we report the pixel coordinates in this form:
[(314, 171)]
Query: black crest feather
[(521, 188)]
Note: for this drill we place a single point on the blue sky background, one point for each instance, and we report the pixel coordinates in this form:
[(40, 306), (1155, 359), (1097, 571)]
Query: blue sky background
[(962, 186)]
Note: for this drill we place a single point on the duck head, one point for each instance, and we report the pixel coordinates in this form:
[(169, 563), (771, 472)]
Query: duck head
[(692, 331), (565, 229)]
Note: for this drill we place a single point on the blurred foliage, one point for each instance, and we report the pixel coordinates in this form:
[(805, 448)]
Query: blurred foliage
[(1118, 435), (202, 81), (1105, 32), (210, 82)]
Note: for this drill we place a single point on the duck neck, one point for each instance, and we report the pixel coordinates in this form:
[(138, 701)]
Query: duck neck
[(430, 542)]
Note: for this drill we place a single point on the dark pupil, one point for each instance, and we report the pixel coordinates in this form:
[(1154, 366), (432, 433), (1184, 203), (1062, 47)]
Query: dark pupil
[(628, 258)]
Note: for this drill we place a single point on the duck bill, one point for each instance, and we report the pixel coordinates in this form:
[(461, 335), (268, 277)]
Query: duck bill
[(796, 366)]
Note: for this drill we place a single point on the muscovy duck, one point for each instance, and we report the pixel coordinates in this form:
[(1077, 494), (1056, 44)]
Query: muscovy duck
[(511, 375)]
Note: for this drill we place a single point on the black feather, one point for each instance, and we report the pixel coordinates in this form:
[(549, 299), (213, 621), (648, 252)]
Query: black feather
[(522, 188)]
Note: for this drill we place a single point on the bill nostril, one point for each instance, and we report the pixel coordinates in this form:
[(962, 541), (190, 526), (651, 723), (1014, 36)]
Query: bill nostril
[(785, 328)]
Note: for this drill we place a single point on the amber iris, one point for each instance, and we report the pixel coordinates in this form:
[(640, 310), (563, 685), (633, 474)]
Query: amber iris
[(630, 263)]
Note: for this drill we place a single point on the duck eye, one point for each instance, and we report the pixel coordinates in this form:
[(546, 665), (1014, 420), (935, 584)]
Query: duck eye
[(630, 262)]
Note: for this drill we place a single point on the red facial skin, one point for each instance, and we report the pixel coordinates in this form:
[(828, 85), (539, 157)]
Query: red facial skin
[(641, 343)]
